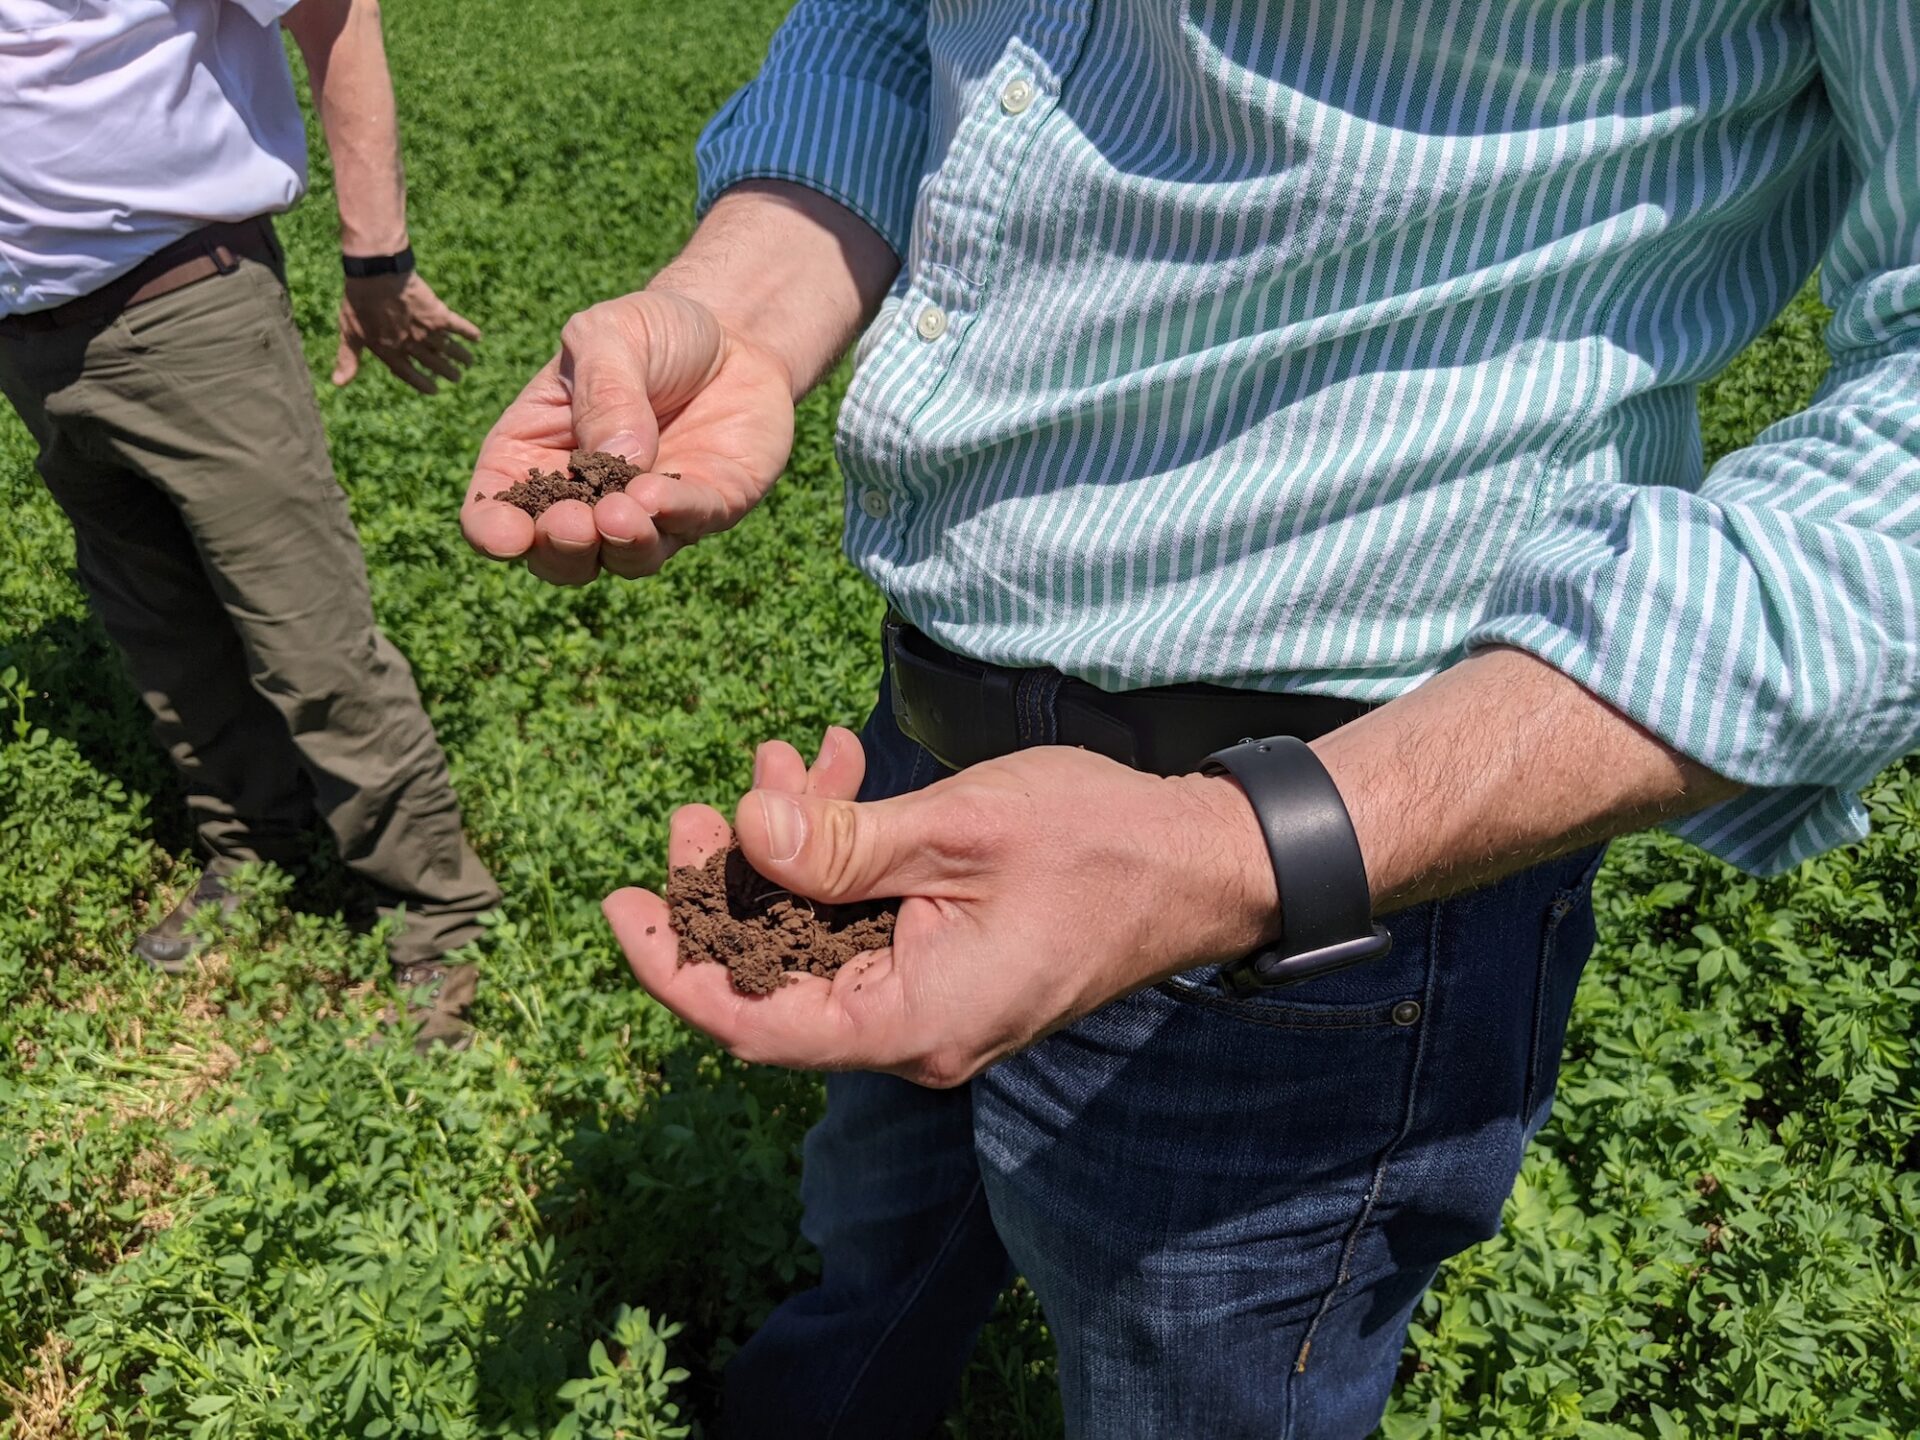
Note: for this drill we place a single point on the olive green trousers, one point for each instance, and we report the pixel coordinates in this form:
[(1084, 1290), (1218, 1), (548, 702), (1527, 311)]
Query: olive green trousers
[(182, 440)]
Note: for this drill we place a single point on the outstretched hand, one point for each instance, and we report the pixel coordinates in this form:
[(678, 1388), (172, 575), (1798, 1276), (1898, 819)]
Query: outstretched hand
[(656, 378), (1035, 888), (410, 330)]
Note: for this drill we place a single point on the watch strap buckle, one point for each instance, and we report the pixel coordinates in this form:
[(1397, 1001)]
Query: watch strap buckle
[(1271, 968)]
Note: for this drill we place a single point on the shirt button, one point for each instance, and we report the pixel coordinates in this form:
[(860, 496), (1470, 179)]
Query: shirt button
[(932, 323), (1017, 95), (875, 504)]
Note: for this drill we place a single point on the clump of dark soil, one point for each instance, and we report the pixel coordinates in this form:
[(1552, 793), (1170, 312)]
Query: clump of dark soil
[(727, 912), (591, 475)]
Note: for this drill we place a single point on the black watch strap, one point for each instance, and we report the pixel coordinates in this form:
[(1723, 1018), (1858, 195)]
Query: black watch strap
[(362, 267), (1326, 910)]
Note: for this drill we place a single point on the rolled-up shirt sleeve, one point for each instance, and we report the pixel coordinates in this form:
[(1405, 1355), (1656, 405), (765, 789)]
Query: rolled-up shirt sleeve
[(1767, 624), (840, 106)]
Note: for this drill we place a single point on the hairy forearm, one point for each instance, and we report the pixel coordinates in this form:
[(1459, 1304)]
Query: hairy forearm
[(353, 92), (1495, 764), (787, 268)]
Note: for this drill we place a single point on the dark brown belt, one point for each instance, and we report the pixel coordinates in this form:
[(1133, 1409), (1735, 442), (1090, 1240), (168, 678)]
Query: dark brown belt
[(211, 250), (963, 711)]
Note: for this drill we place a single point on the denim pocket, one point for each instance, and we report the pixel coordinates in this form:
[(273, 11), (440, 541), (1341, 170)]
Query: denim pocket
[(1566, 940), (1282, 1010), (1387, 990)]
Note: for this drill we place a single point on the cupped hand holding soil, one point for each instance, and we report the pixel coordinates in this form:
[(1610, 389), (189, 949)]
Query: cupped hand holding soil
[(591, 476), (724, 911), (718, 909)]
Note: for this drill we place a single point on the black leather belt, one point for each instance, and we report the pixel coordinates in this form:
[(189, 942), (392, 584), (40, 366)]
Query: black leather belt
[(963, 711)]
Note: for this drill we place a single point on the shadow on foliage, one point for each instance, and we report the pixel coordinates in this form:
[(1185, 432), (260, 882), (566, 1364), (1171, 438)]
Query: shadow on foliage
[(688, 1207), (81, 693)]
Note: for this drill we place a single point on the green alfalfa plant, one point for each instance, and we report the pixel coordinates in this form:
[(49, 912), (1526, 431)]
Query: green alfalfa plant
[(628, 1392)]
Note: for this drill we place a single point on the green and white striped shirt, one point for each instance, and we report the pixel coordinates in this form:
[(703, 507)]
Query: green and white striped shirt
[(1307, 345)]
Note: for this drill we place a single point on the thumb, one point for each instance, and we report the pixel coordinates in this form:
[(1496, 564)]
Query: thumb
[(605, 377), (838, 850)]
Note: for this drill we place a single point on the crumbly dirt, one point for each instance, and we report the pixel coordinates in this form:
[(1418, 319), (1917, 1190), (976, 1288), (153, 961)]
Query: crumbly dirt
[(727, 913), (591, 476)]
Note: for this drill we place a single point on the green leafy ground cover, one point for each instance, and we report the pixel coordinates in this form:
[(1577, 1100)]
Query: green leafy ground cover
[(225, 1211)]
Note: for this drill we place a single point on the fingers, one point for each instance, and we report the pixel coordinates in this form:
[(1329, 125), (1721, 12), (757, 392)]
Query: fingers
[(694, 833), (683, 506), (400, 362), (657, 517), (778, 766), (861, 1018), (835, 774), (566, 546), (459, 325), (839, 767), (437, 361), (630, 544), (832, 849), (533, 433), (453, 348), (496, 529)]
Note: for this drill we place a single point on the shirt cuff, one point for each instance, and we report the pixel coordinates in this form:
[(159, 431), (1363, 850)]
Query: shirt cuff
[(855, 142)]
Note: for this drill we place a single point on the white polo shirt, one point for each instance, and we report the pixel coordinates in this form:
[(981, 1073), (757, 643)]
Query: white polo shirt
[(125, 124)]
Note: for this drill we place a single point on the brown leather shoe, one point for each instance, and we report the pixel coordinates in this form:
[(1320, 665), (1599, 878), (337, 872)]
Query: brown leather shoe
[(167, 946), (438, 998)]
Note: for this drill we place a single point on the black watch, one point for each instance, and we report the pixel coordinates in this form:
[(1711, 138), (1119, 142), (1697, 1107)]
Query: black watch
[(363, 267), (1326, 910)]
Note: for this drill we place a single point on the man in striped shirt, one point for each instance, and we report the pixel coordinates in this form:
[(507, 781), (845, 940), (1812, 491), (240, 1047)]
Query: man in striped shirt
[(1213, 356)]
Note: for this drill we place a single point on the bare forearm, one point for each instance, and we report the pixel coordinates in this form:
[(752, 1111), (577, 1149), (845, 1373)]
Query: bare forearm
[(346, 59), (1495, 764), (787, 268)]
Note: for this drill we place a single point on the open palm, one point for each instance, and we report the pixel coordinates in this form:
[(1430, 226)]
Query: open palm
[(656, 378)]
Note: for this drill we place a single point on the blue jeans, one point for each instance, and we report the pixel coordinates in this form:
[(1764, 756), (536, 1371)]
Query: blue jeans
[(1228, 1208)]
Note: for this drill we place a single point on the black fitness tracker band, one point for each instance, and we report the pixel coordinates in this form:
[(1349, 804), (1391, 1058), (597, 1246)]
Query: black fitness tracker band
[(1326, 910), (363, 267)]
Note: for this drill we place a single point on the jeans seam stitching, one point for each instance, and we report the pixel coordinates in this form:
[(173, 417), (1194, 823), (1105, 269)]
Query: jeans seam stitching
[(1343, 1274), (1557, 913), (920, 753), (939, 1256), (1564, 904)]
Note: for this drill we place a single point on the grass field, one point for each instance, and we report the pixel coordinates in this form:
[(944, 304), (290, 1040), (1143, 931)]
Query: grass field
[(225, 1213)]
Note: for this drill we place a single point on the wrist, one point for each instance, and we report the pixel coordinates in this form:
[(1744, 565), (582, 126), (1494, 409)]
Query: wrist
[(397, 264), (786, 270), (373, 239), (1244, 899)]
